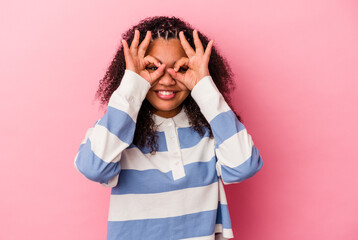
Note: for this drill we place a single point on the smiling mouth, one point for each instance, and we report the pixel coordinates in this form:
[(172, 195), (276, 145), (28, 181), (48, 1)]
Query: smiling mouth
[(165, 94)]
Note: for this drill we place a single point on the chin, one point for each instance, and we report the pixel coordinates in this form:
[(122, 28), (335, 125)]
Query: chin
[(165, 108)]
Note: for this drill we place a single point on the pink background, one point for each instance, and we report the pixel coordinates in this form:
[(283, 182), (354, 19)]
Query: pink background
[(296, 72)]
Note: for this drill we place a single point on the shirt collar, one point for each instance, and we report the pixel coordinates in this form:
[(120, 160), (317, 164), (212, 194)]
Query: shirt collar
[(180, 120)]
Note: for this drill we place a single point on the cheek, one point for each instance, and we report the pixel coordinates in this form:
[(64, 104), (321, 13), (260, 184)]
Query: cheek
[(150, 95), (185, 94), (182, 86)]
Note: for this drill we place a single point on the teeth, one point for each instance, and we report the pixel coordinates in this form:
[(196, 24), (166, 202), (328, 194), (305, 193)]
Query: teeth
[(166, 92)]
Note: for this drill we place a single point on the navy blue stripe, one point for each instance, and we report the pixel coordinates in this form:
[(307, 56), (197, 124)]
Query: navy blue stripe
[(119, 124), (162, 144), (154, 181), (188, 137), (223, 215), (93, 167), (245, 170), (225, 125), (185, 226)]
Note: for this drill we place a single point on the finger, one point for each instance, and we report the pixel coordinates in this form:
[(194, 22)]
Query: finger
[(176, 75), (157, 73), (150, 59), (187, 48), (127, 55), (184, 61), (134, 44), (208, 50), (143, 46), (125, 48), (198, 45)]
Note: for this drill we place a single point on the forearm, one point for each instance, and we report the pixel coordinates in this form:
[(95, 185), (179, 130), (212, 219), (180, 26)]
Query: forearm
[(237, 157), (99, 154)]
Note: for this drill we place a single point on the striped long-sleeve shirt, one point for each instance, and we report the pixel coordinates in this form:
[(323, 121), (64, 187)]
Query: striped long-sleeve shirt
[(176, 193)]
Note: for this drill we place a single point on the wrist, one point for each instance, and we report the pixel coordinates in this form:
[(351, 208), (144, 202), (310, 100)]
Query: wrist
[(199, 78)]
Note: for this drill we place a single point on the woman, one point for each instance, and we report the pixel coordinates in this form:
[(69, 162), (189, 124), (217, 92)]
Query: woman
[(169, 139)]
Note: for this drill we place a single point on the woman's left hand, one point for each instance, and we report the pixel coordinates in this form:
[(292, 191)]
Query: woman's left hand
[(196, 63)]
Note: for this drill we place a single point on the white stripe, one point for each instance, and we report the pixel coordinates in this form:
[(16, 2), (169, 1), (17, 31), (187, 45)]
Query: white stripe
[(222, 194), (218, 168), (209, 98), (218, 228), (106, 145), (227, 233), (163, 205), (204, 151), (223, 233), (133, 158), (235, 150), (111, 183), (130, 94), (217, 105), (122, 103)]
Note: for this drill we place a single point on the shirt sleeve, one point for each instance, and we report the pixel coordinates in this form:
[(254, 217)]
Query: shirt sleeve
[(237, 157), (98, 157)]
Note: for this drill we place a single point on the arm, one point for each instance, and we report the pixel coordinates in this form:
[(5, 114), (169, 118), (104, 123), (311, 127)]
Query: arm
[(237, 157), (99, 154)]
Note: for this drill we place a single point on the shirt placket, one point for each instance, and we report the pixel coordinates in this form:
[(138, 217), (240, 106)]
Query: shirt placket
[(176, 162)]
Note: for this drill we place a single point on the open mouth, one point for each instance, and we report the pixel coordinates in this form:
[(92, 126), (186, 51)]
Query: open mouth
[(166, 94)]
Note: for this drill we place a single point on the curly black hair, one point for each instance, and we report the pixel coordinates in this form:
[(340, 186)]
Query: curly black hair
[(165, 27)]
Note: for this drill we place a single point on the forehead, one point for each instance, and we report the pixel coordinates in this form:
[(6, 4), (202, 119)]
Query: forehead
[(166, 49)]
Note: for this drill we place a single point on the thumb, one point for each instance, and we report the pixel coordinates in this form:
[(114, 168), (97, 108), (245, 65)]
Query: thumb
[(157, 73)]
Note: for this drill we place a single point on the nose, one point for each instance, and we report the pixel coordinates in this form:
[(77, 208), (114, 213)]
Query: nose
[(166, 79)]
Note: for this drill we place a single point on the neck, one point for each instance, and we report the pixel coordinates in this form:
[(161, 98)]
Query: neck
[(168, 114)]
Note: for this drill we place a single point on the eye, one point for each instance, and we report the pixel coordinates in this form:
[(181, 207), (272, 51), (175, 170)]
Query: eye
[(151, 68), (183, 69)]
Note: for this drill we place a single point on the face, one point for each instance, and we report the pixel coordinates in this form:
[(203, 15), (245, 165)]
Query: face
[(167, 94)]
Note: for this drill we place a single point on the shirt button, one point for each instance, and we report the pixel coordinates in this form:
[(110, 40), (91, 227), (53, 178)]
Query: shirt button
[(175, 153), (169, 124), (177, 163)]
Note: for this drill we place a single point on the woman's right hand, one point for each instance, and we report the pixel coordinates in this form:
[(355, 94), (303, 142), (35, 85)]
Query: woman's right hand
[(137, 62)]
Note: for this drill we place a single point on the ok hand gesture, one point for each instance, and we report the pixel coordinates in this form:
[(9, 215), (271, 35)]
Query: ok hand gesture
[(196, 63), (136, 62)]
